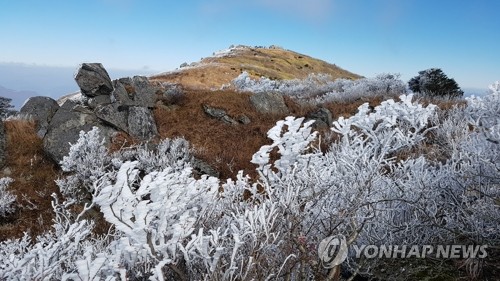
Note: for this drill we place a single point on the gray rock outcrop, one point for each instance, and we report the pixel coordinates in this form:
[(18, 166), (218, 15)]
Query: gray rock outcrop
[(219, 113), (93, 80), (269, 103), (65, 127), (121, 105), (3, 140), (97, 101), (136, 91), (114, 115), (41, 110)]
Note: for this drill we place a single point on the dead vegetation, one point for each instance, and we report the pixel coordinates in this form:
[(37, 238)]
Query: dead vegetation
[(34, 176), (213, 72)]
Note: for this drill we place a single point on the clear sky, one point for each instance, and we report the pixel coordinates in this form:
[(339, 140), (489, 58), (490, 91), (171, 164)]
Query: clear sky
[(367, 37)]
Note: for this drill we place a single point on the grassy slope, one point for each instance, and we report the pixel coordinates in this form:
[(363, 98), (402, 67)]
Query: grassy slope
[(227, 148), (33, 175), (213, 72)]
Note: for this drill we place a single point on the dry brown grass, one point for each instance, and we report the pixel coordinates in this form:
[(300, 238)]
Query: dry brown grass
[(228, 148), (33, 175), (213, 72)]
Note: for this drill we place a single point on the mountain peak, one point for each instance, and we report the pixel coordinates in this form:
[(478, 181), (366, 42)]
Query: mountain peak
[(271, 62)]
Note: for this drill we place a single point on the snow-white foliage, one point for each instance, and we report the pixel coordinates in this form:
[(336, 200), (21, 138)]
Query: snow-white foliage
[(291, 138), (51, 255), (400, 173), (321, 88), (7, 199), (156, 213), (87, 160), (174, 153)]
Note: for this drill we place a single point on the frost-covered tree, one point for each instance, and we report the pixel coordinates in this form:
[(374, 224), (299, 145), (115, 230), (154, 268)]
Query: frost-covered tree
[(7, 199), (433, 82)]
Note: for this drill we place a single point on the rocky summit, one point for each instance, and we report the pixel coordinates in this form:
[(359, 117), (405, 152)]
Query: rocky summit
[(121, 105)]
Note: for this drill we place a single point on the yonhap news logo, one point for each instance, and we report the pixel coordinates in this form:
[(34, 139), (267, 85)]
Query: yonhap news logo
[(334, 250)]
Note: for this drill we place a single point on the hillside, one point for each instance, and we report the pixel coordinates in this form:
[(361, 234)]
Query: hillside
[(274, 63), (224, 148), (188, 180)]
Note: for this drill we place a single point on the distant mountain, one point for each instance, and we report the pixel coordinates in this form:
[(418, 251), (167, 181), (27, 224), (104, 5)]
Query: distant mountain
[(273, 62), (474, 92), (18, 97), (22, 81)]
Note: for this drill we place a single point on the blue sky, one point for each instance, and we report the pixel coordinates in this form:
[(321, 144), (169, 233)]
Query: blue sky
[(366, 37)]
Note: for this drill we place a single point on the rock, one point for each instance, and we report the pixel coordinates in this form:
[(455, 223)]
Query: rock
[(219, 113), (136, 91), (114, 115), (93, 80), (167, 108), (323, 118), (228, 120), (3, 143), (41, 110), (170, 93), (95, 102), (269, 103), (77, 96), (141, 124), (214, 112), (65, 128), (200, 167), (243, 119)]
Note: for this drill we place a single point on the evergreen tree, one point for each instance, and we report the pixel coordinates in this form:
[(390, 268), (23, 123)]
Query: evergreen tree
[(434, 82), (6, 107)]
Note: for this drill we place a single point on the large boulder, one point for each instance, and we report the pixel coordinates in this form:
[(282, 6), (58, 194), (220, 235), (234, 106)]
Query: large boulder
[(41, 110), (65, 127), (3, 141), (95, 102), (136, 91), (93, 80), (141, 123), (114, 115), (269, 103)]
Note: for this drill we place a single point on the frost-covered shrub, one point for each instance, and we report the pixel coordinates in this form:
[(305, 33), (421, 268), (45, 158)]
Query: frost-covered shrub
[(156, 213), (370, 186), (87, 161), (7, 199), (174, 153), (320, 88), (51, 255)]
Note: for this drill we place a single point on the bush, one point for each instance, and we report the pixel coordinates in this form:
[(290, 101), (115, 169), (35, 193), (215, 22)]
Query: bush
[(7, 199), (433, 82), (321, 88), (370, 186)]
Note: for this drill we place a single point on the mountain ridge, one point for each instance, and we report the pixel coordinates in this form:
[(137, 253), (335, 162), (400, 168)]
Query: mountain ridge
[(271, 62)]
